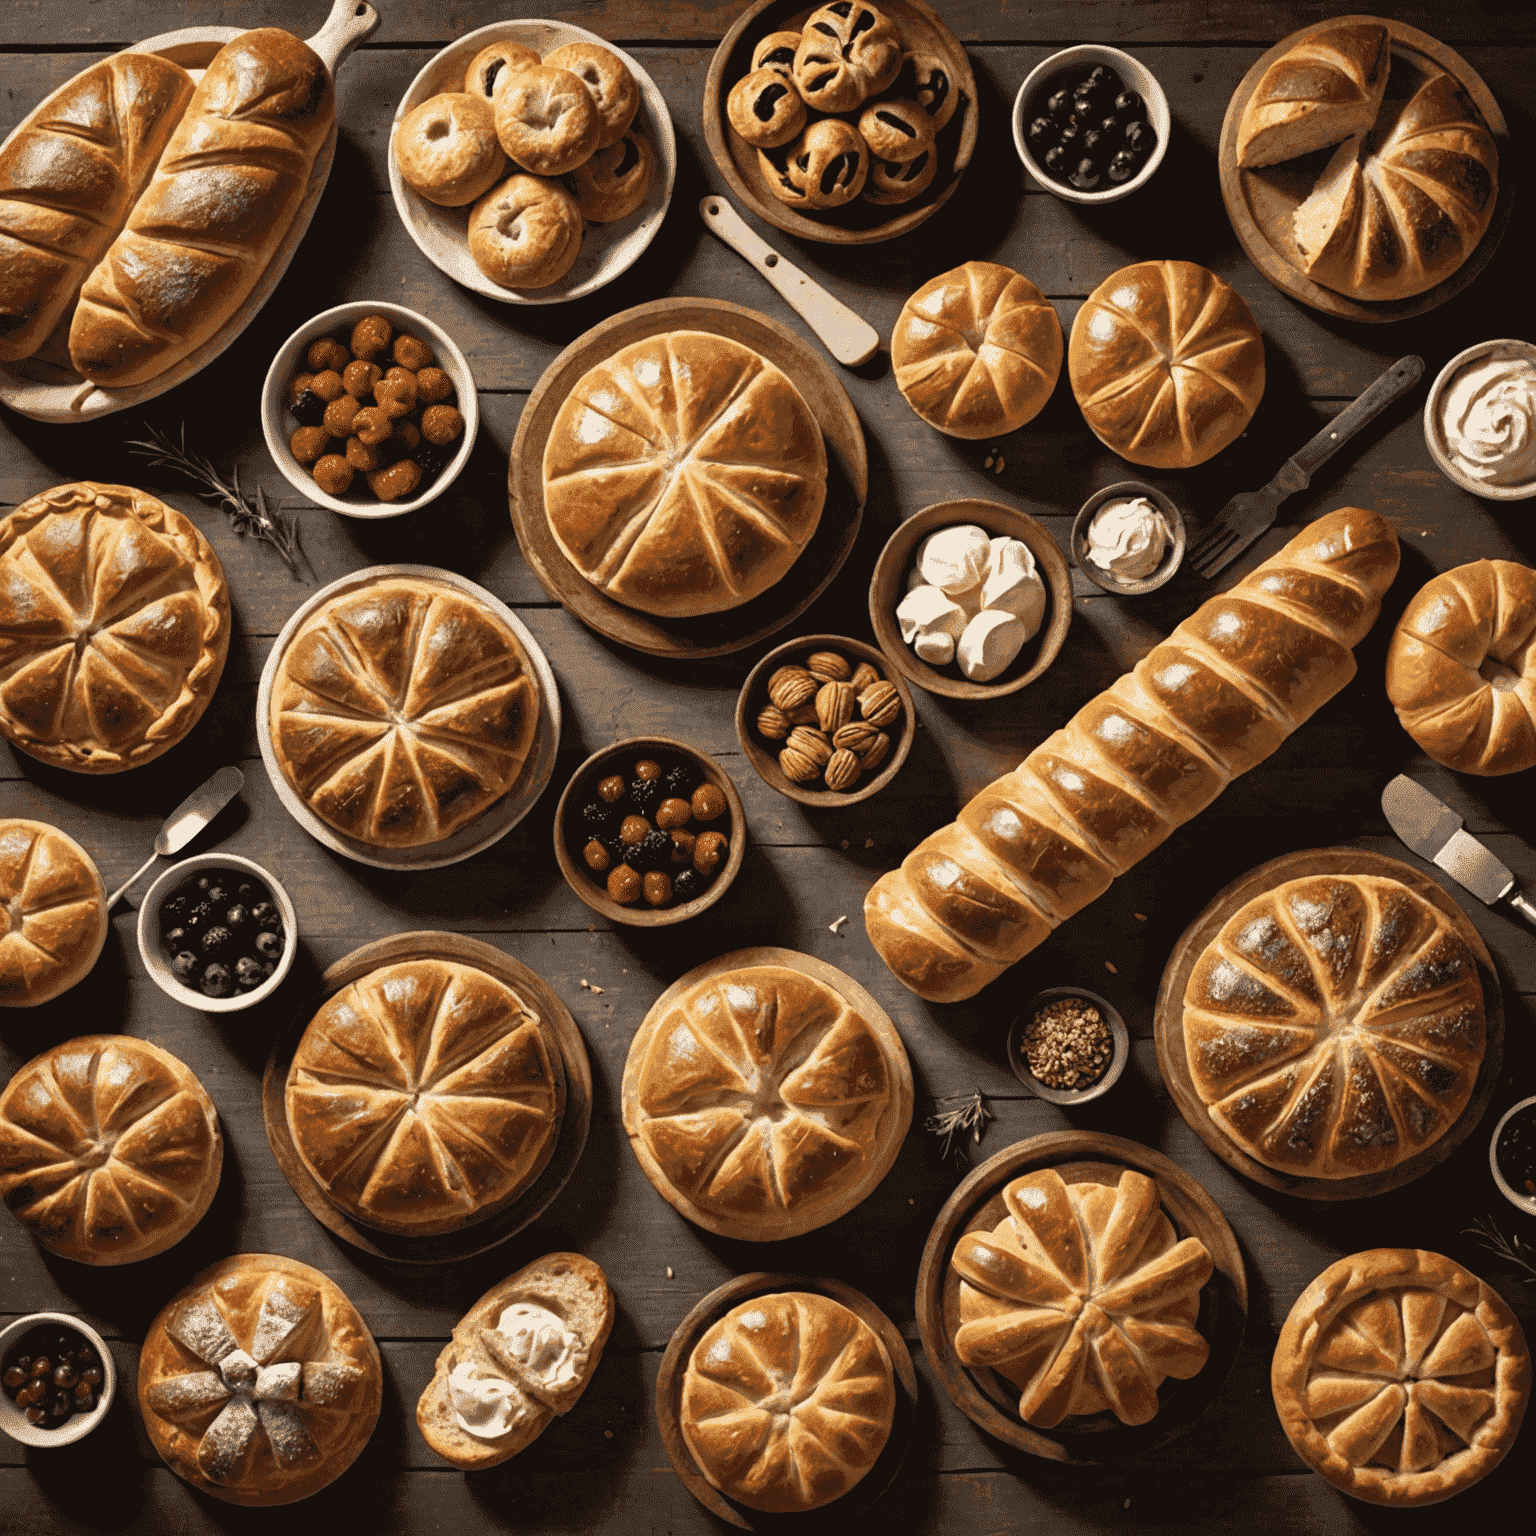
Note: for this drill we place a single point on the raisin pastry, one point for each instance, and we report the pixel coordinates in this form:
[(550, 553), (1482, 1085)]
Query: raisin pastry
[(547, 120), (447, 149), (896, 130), (926, 77), (893, 182), (777, 52), (848, 53), (765, 109), (614, 182), (526, 233), (825, 167), (493, 66), (612, 87)]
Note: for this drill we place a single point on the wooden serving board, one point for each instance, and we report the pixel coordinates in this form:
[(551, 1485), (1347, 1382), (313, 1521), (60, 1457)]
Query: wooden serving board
[(482, 1236), (1168, 1020), (1261, 203), (46, 386), (859, 222), (713, 634), (990, 1401), (851, 992), (831, 1519)]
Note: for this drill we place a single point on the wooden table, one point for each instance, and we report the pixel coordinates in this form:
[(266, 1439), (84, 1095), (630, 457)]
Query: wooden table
[(603, 1467)]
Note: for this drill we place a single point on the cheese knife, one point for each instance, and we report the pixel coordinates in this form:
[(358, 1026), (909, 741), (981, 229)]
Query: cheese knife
[(186, 821), (1434, 832)]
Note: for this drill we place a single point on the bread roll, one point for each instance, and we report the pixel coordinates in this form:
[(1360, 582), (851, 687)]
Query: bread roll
[(1400, 1377), (977, 351), (762, 1105), (684, 475), (848, 52), (787, 1402), (526, 233), (1083, 1296), (114, 626), (521, 1355), (259, 1382), (1167, 363), (1326, 88), (447, 149), (608, 81), (1135, 763), (69, 177), (1335, 1026), (401, 710), (55, 913), (425, 1096), (213, 215), (615, 181), (110, 1149)]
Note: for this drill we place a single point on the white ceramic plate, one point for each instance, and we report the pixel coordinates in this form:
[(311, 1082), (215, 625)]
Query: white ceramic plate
[(489, 827), (606, 249)]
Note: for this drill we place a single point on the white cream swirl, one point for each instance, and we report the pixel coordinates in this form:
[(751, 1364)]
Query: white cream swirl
[(1129, 538), (540, 1342), (1488, 420), (485, 1405)]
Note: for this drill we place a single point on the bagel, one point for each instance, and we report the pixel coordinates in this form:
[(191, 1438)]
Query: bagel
[(492, 66), (615, 181), (547, 120), (765, 109), (447, 149), (526, 232), (611, 85)]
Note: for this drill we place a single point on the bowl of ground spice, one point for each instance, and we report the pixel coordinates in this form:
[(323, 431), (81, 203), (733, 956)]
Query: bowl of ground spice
[(1068, 1046), (1512, 1156)]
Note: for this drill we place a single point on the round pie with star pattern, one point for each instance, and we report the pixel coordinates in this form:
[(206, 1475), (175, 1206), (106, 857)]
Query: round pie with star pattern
[(53, 913)]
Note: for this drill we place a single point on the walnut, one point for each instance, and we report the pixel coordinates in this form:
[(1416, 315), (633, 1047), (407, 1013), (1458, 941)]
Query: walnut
[(828, 666), (790, 687), (812, 744), (876, 752), (834, 706), (856, 736), (863, 676), (772, 722), (797, 767), (880, 704), (842, 770)]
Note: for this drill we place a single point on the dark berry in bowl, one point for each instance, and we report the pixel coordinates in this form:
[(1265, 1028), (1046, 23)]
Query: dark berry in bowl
[(269, 945), (185, 967), (176, 940), (1059, 106), (218, 894), (1056, 161), (249, 972), (1093, 142), (200, 913), (1128, 105), (216, 981), (237, 917), (687, 884), (1086, 177), (309, 409), (1122, 167), (1140, 137), (217, 939), (1042, 134), (647, 794), (267, 916)]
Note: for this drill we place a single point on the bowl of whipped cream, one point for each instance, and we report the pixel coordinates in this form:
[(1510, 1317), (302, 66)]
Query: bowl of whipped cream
[(1128, 538), (1480, 420)]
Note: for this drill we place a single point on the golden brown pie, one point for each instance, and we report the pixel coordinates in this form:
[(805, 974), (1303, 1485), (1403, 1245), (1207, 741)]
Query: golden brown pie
[(53, 913)]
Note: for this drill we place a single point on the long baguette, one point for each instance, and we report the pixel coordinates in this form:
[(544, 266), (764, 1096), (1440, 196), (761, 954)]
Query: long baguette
[(69, 177), (227, 189), (1144, 757)]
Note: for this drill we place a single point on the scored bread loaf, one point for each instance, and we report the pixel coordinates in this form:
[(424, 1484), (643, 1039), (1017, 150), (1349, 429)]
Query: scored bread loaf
[(69, 177), (220, 203), (1144, 757)]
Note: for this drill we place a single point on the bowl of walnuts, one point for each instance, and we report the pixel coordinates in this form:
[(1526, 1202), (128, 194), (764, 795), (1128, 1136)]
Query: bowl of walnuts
[(849, 124), (825, 720)]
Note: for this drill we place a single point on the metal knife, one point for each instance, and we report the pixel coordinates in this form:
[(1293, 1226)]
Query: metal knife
[(1434, 832)]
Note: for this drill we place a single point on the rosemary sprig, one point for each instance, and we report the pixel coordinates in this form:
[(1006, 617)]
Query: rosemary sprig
[(1485, 1232), (254, 515), (969, 1118)]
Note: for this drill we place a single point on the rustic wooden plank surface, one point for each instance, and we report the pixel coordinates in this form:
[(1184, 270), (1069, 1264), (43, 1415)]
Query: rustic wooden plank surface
[(603, 1468)]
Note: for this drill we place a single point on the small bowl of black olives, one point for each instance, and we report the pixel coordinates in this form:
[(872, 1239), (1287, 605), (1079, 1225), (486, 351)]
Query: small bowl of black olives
[(58, 1378), (1091, 124), (217, 932)]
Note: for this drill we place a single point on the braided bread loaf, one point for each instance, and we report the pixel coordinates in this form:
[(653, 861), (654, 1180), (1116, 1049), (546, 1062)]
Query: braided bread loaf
[(1145, 756)]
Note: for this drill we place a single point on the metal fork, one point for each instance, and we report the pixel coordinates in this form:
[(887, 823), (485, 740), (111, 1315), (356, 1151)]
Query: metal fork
[(1249, 513)]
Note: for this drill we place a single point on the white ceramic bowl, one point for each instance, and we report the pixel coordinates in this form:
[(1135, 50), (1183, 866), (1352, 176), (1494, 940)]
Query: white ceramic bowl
[(1517, 1198), (1434, 435), (606, 249), (277, 426), (492, 824), (153, 953), (14, 1421), (1133, 74)]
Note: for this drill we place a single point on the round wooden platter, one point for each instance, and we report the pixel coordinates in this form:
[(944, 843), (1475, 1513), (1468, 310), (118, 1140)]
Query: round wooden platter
[(1168, 1022), (713, 634), (855, 996), (480, 1237), (491, 825), (990, 1401), (830, 1518), (442, 234), (860, 222), (1261, 203), (46, 386)]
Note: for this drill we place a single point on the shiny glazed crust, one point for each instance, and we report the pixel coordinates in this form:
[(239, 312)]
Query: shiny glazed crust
[(259, 1382), (1167, 363), (54, 916), (1083, 1296), (491, 67), (425, 1097), (1335, 1026), (761, 1105), (1461, 669), (977, 388), (110, 1149), (402, 710), (114, 626), (684, 475), (787, 1402), (1400, 1377)]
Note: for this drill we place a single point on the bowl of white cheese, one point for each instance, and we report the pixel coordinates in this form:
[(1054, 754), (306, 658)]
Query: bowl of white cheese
[(1480, 420), (1129, 538)]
